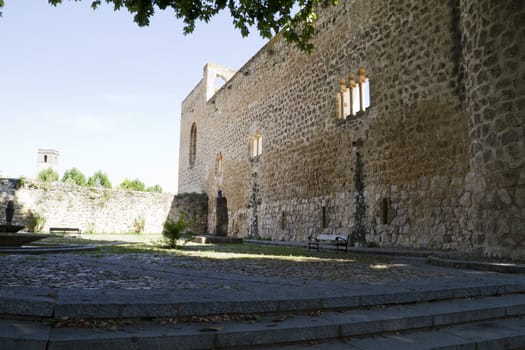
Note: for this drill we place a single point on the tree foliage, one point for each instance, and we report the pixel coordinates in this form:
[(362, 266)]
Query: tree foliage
[(74, 175), (295, 19), (48, 175), (155, 189), (99, 179), (133, 185)]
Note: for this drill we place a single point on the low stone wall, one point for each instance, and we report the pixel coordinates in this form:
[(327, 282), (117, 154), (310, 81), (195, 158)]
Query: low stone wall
[(93, 209)]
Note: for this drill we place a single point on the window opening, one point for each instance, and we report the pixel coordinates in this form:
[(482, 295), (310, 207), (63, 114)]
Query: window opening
[(353, 97), (256, 145), (193, 144), (218, 164), (385, 211)]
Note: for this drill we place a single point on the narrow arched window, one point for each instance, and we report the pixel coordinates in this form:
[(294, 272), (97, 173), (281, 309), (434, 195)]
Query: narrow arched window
[(193, 144), (218, 164), (255, 146)]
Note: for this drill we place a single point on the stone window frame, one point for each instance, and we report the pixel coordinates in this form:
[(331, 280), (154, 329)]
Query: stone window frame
[(353, 98), (193, 145), (218, 164), (255, 146)]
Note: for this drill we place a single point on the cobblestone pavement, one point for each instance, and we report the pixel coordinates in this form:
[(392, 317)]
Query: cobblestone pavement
[(146, 271)]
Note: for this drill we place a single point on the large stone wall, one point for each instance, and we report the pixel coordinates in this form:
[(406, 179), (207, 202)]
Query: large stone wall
[(95, 209), (494, 52), (409, 171)]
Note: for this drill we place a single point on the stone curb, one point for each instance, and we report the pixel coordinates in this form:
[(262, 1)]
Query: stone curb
[(47, 250), (477, 265)]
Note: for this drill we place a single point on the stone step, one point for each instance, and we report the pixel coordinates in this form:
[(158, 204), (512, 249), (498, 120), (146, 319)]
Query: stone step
[(177, 305), (504, 334), (253, 331)]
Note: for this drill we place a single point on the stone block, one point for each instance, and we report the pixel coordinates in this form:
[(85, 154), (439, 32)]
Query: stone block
[(276, 332)]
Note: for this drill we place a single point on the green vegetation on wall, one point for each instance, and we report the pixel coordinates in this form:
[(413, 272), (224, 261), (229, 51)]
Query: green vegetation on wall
[(132, 185), (47, 175), (99, 179), (74, 175)]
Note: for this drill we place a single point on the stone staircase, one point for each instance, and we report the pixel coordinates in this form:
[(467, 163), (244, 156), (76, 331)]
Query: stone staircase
[(473, 317)]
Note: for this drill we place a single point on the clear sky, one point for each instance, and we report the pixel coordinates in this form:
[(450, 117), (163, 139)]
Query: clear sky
[(99, 89)]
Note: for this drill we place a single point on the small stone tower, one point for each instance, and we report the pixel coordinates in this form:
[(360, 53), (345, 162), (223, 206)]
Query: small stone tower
[(47, 158)]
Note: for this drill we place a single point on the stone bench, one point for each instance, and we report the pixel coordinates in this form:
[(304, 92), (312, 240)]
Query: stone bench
[(65, 230), (340, 240)]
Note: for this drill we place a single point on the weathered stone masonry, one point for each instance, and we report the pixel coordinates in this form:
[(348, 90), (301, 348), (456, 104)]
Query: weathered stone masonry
[(99, 210), (437, 161)]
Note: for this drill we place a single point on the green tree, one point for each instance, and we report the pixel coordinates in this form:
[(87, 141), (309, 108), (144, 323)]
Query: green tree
[(132, 185), (99, 179), (156, 189), (48, 175), (295, 19), (75, 176)]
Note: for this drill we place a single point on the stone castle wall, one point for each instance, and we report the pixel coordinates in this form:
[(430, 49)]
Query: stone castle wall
[(494, 53), (93, 209), (407, 171)]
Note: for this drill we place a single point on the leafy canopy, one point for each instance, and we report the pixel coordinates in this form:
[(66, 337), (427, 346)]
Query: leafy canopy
[(294, 18), (99, 179), (74, 175), (47, 175), (132, 185)]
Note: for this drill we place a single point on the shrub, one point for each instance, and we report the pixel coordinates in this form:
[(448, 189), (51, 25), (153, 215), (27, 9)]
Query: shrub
[(138, 225), (48, 175), (75, 176), (132, 185), (173, 229), (36, 222), (156, 189), (99, 179)]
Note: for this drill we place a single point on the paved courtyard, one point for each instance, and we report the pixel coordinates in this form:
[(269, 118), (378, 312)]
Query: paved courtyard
[(159, 271)]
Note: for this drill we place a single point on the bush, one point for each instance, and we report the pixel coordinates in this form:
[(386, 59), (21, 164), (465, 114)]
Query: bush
[(138, 225), (36, 222), (173, 229), (75, 176), (48, 175), (99, 179)]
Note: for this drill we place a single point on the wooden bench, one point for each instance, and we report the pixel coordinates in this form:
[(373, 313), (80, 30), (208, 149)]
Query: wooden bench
[(341, 240), (65, 230)]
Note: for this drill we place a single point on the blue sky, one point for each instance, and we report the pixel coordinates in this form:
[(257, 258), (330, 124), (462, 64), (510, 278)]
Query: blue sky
[(99, 89)]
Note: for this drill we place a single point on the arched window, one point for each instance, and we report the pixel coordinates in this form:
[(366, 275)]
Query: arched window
[(218, 164), (354, 97), (193, 144), (255, 147)]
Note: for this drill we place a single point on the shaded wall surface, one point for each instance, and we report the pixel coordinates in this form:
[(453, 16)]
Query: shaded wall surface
[(437, 161)]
